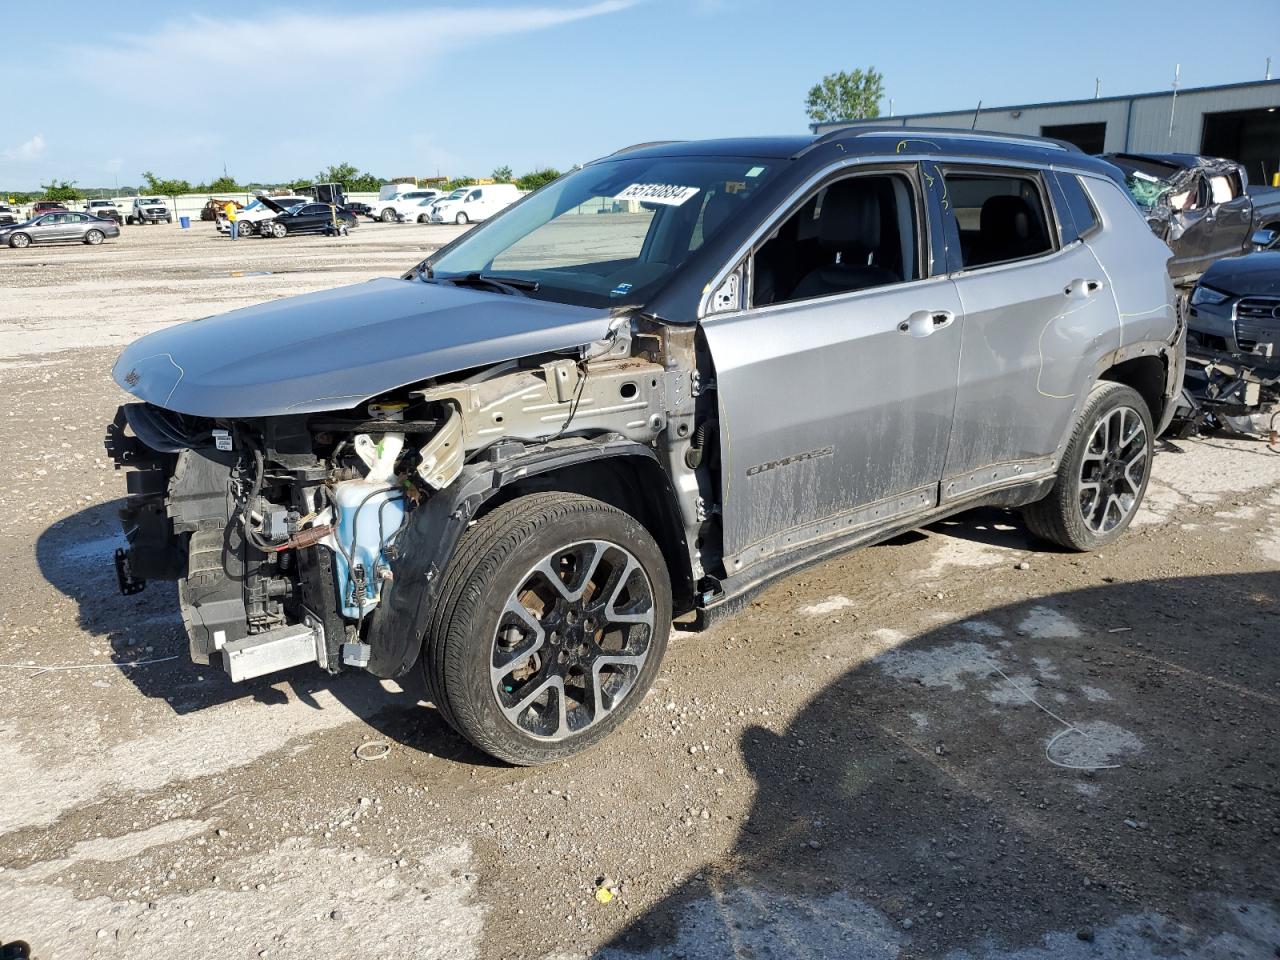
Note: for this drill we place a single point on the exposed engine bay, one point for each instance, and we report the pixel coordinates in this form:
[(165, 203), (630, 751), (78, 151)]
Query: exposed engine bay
[(283, 531)]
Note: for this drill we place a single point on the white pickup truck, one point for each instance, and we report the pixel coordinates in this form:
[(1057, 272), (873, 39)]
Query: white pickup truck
[(150, 210), (104, 209)]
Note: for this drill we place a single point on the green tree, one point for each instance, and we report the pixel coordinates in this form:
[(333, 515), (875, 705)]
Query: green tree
[(165, 188), (337, 173), (224, 184), (348, 175), (845, 95), (457, 182), (365, 183), (63, 190), (502, 174), (537, 178)]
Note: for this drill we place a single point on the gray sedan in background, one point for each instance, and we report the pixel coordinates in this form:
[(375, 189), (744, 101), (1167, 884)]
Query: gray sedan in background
[(60, 226)]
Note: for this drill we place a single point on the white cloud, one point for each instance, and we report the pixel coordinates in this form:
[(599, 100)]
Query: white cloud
[(33, 149), (280, 59)]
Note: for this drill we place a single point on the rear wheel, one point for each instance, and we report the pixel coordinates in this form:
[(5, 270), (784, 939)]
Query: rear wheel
[(19, 240), (1103, 474), (245, 228), (93, 237), (551, 625)]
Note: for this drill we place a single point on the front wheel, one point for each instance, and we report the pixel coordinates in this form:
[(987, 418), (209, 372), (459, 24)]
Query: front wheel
[(388, 215), (19, 240), (278, 230), (93, 237), (460, 219), (551, 625), (1103, 474)]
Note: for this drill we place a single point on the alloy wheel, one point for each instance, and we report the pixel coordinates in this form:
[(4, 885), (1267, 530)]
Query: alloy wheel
[(1114, 469), (572, 639)]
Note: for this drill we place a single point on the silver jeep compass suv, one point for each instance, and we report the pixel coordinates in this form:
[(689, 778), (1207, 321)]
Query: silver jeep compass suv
[(641, 393)]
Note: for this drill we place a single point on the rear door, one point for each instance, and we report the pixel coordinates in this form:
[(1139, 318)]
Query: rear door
[(836, 383), (1035, 310)]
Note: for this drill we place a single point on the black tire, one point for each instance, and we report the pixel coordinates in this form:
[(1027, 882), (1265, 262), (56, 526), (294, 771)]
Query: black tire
[(279, 231), (461, 220), (94, 237), (1069, 515), (495, 561), (19, 240), (388, 215), (245, 228)]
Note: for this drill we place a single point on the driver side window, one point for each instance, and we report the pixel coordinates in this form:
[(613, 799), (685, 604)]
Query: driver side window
[(852, 234)]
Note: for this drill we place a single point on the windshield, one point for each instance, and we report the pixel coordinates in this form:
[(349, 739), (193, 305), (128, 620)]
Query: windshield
[(612, 232), (151, 200)]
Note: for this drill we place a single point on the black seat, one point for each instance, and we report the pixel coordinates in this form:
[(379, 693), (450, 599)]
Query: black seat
[(850, 238), (1008, 230)]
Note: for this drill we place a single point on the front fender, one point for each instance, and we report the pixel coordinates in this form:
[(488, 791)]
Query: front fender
[(429, 541)]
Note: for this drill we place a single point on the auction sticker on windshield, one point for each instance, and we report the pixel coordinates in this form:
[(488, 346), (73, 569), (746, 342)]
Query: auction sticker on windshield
[(668, 193)]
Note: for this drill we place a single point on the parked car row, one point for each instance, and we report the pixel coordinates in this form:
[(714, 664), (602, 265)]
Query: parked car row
[(407, 203)]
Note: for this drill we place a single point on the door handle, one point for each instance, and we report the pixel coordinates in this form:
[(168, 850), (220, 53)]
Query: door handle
[(924, 322), (1080, 288)]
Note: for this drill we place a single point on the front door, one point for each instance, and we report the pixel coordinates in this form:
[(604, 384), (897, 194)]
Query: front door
[(1232, 217), (836, 384)]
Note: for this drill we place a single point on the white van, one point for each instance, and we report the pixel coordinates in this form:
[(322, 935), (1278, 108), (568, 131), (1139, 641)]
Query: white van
[(473, 204), (396, 199)]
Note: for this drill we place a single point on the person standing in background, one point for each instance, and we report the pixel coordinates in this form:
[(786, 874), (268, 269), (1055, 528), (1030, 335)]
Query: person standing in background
[(230, 211)]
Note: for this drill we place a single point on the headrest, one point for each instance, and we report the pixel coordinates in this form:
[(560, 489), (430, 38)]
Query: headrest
[(1006, 218), (850, 217)]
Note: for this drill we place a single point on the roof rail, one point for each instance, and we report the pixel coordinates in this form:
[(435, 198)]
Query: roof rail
[(953, 133), (641, 146)]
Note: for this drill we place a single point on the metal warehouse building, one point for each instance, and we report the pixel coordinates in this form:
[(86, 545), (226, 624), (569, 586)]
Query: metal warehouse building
[(1240, 121)]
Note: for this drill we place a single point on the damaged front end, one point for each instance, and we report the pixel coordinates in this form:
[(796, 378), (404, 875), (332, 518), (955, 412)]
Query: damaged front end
[(284, 533)]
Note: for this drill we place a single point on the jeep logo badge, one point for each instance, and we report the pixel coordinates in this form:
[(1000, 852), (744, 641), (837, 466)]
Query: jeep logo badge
[(132, 378)]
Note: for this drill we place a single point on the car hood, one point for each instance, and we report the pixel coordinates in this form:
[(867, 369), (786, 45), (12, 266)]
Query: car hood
[(335, 349), (1256, 274)]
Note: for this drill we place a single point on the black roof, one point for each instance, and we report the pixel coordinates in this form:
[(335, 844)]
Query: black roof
[(885, 141)]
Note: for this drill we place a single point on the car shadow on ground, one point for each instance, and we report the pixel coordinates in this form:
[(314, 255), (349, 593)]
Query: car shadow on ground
[(920, 805), (148, 643)]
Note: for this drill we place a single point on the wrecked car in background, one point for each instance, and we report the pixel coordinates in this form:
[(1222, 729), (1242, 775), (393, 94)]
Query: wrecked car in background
[(1200, 207), (641, 393), (1233, 347)]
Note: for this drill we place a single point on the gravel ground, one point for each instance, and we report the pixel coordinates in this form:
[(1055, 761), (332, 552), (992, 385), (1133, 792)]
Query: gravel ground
[(956, 744)]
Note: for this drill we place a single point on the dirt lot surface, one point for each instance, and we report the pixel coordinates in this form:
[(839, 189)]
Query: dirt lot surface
[(957, 744)]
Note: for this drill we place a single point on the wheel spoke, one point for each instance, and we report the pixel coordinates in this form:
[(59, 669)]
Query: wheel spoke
[(582, 575), (527, 700), (498, 671)]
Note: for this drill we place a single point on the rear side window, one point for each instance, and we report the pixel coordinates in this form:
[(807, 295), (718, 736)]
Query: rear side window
[(1001, 217), (1078, 213)]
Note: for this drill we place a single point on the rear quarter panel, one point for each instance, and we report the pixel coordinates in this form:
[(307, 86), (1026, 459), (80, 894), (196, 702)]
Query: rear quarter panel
[(1136, 264)]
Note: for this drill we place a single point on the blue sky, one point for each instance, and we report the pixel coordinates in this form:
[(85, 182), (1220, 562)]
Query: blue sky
[(96, 91)]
